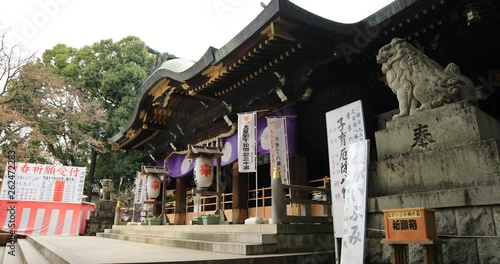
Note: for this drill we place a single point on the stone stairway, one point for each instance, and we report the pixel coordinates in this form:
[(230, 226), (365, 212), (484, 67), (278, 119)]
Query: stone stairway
[(22, 252), (258, 238), (232, 239), (220, 244)]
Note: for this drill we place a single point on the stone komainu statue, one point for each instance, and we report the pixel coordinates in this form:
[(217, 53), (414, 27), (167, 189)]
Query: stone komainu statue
[(419, 82)]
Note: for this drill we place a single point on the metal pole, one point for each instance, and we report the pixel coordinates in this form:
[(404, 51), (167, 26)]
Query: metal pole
[(219, 184), (133, 213), (220, 208), (166, 179), (256, 170), (337, 260), (164, 196)]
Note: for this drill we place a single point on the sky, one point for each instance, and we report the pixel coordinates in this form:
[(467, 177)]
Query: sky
[(185, 28)]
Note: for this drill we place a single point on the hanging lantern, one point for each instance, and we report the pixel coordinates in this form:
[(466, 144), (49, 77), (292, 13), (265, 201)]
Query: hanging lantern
[(153, 184), (203, 172)]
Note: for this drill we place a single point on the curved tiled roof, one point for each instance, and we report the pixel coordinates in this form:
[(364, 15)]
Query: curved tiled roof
[(176, 65), (182, 98)]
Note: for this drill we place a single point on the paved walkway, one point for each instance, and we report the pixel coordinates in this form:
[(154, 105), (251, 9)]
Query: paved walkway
[(88, 250)]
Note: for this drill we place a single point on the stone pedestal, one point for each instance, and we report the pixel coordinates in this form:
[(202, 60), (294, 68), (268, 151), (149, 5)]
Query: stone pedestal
[(102, 218), (447, 159)]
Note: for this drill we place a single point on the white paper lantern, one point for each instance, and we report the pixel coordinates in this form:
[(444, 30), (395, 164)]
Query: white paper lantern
[(153, 184), (203, 172)]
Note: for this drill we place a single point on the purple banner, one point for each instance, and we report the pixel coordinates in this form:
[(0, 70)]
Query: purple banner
[(178, 166), (230, 150)]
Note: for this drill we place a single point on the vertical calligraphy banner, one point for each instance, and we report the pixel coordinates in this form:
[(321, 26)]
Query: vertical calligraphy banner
[(353, 237), (278, 146), (140, 188), (247, 147), (344, 125), (44, 182)]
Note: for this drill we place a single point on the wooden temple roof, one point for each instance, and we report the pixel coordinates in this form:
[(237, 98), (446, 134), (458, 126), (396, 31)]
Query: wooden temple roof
[(186, 102)]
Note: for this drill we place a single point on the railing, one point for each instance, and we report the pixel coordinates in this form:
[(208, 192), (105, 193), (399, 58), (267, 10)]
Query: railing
[(209, 203), (280, 201)]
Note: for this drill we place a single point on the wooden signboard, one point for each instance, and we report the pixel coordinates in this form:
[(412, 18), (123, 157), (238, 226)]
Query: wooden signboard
[(410, 226)]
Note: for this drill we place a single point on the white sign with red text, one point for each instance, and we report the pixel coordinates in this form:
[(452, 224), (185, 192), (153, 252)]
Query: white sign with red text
[(42, 182), (247, 143)]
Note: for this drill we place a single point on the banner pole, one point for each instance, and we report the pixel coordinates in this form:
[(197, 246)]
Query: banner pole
[(287, 173), (133, 214), (256, 168)]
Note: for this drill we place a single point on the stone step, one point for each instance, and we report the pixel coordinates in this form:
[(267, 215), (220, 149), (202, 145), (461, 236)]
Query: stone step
[(214, 246), (256, 238), (255, 229), (29, 254), (258, 229), (14, 257), (54, 253), (91, 249)]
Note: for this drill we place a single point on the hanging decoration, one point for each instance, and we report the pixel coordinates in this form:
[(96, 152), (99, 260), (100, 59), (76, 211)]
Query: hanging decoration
[(203, 172), (153, 184)]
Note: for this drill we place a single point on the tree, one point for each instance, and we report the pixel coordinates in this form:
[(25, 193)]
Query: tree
[(12, 60), (58, 113), (111, 73), (44, 118)]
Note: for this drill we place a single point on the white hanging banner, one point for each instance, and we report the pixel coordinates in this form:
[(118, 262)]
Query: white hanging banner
[(247, 147), (344, 125), (278, 146), (353, 236), (140, 187)]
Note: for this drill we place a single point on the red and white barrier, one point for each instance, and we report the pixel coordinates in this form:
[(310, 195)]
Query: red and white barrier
[(44, 218)]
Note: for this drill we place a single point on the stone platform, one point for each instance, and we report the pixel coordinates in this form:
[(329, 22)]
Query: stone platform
[(89, 249), (233, 239), (448, 159)]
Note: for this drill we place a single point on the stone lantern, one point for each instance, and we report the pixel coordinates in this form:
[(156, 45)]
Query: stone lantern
[(106, 189)]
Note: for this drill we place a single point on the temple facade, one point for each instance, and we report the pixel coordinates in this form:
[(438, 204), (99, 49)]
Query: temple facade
[(292, 63)]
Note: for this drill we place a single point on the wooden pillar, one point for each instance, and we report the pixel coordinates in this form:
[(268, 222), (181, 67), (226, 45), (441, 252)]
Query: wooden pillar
[(429, 254), (180, 201), (298, 176), (240, 196), (399, 253)]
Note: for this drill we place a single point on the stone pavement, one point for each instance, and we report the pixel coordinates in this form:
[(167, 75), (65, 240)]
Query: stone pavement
[(86, 250)]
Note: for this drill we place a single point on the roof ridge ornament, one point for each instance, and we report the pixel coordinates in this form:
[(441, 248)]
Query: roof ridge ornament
[(160, 58)]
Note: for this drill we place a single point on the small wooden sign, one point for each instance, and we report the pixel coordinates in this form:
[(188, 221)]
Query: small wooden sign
[(410, 226)]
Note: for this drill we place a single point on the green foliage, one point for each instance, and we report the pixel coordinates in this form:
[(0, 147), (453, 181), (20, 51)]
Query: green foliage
[(110, 73), (67, 105), (120, 166)]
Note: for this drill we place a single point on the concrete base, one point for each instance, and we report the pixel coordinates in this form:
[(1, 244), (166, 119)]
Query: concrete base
[(446, 159), (256, 220), (103, 217), (252, 239), (75, 250)]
